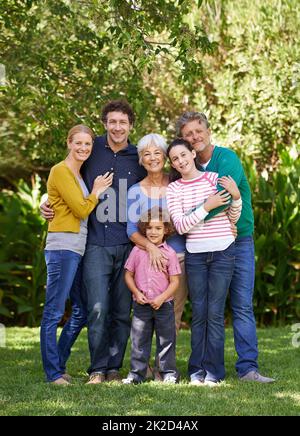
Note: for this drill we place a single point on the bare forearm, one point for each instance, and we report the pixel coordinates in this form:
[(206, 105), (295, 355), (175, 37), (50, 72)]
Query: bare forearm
[(129, 280), (139, 240), (171, 289)]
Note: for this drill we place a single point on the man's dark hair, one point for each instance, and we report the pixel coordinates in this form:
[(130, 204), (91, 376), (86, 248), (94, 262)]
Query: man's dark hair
[(118, 106)]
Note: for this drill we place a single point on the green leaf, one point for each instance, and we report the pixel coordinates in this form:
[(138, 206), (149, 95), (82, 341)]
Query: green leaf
[(5, 312), (24, 309), (270, 270)]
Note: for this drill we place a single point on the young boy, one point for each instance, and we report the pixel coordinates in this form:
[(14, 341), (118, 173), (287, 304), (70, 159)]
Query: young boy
[(153, 307)]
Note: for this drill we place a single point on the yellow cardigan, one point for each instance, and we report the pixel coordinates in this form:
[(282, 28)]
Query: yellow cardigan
[(67, 200)]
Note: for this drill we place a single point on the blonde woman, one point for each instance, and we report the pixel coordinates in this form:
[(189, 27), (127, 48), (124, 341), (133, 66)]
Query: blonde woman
[(65, 245)]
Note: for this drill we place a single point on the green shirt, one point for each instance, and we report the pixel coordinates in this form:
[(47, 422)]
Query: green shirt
[(225, 162)]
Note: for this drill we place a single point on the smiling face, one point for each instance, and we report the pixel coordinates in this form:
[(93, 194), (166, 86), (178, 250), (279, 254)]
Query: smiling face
[(197, 134), (80, 146), (155, 232), (118, 128), (152, 159), (183, 160)]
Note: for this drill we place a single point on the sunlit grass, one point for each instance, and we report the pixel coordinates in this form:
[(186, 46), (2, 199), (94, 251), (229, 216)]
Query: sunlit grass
[(24, 391)]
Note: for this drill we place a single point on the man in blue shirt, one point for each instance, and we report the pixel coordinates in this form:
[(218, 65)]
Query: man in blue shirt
[(108, 246)]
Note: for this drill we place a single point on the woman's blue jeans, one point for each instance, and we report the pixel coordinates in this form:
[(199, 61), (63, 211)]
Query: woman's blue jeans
[(209, 276), (63, 282)]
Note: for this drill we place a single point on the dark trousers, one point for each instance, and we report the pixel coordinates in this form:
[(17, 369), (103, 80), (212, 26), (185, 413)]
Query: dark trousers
[(108, 305), (145, 321)]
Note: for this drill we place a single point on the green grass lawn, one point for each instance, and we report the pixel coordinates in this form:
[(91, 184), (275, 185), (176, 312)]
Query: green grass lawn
[(24, 392)]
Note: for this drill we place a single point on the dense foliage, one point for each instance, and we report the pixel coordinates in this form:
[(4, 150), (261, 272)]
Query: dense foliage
[(22, 265), (237, 61), (251, 89), (64, 59)]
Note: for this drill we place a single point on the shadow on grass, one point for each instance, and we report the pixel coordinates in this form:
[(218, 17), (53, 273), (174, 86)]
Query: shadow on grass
[(151, 399)]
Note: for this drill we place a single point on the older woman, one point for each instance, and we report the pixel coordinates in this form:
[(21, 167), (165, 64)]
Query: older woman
[(151, 192)]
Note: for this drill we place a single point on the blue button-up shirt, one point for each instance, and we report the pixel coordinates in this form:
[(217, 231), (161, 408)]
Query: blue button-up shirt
[(108, 221)]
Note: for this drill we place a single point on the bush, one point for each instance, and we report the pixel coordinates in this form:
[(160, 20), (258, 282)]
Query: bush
[(22, 266), (276, 200)]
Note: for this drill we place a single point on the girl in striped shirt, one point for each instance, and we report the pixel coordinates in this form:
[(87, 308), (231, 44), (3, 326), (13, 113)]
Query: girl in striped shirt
[(209, 258)]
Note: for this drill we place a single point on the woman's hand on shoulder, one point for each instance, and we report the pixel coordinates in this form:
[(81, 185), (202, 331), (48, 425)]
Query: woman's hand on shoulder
[(158, 259), (101, 183)]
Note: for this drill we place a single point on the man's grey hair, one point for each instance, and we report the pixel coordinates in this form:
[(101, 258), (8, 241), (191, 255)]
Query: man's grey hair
[(152, 139), (187, 117)]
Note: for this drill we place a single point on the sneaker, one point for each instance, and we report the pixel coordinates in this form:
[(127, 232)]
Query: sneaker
[(113, 376), (130, 381), (96, 378), (211, 383), (170, 379), (60, 382), (67, 377), (256, 377), (197, 382)]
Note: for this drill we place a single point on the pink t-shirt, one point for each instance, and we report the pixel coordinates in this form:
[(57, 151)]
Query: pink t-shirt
[(147, 280)]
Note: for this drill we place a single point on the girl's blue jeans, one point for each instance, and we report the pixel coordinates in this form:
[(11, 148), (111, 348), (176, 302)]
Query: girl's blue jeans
[(209, 276)]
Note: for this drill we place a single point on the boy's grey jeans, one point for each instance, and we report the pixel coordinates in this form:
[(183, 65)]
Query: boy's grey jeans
[(145, 321)]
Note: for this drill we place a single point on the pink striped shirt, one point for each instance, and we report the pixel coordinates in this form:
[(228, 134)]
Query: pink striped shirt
[(184, 198)]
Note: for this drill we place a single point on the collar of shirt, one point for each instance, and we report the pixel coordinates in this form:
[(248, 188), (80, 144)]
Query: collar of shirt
[(205, 165), (163, 245), (126, 150)]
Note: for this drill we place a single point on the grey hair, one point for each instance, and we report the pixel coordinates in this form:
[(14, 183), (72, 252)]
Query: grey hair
[(152, 139), (187, 117)]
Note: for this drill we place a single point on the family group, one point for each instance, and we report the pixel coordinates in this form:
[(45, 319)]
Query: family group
[(125, 233)]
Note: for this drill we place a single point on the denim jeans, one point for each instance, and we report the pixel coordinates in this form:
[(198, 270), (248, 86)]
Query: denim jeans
[(63, 281), (209, 276), (241, 298), (77, 320), (108, 304), (145, 321)]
